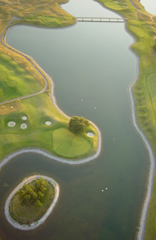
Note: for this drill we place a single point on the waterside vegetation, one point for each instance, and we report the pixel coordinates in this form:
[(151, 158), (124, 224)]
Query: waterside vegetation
[(27, 205), (142, 27), (25, 89)]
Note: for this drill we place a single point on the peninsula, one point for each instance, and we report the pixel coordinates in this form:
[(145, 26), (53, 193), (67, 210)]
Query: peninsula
[(44, 128)]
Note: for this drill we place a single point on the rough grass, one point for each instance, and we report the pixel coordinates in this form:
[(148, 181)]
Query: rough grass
[(143, 28), (15, 81), (38, 12), (24, 214), (20, 78), (67, 144)]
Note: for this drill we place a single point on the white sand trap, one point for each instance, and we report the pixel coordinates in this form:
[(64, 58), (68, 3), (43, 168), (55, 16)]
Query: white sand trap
[(90, 134), (11, 124), (24, 117), (23, 126), (48, 123)]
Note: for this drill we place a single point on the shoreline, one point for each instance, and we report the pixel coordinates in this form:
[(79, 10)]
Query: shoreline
[(150, 177), (36, 224), (53, 100), (151, 156)]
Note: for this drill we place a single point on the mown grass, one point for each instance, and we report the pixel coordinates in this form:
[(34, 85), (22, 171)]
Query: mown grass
[(38, 110), (20, 78), (139, 23), (67, 144), (15, 81), (27, 214)]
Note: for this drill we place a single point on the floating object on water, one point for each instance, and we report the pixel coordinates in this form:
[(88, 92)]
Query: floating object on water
[(102, 190), (106, 188)]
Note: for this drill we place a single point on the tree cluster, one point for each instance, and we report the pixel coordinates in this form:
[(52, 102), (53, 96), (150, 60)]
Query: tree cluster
[(78, 124), (33, 193)]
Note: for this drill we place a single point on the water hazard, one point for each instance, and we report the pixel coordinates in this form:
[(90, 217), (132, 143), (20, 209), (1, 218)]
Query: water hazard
[(92, 68)]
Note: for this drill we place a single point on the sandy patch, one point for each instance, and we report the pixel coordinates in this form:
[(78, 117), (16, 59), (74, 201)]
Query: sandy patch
[(11, 124), (90, 134), (23, 126), (48, 123), (24, 117)]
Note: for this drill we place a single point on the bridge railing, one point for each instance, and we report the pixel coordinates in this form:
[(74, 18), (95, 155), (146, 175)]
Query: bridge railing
[(100, 19)]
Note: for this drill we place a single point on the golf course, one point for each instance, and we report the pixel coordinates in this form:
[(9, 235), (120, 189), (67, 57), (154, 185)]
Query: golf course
[(30, 117)]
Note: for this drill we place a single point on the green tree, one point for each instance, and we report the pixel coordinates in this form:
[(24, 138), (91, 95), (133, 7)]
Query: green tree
[(40, 185), (33, 193), (78, 124), (27, 194)]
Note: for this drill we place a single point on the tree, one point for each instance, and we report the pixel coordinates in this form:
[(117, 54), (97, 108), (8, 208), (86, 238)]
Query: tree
[(27, 194), (78, 124), (33, 193)]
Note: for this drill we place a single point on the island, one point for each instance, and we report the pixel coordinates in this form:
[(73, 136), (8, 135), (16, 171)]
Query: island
[(31, 202), (47, 126)]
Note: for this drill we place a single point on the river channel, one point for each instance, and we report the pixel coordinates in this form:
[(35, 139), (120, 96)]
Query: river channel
[(92, 67)]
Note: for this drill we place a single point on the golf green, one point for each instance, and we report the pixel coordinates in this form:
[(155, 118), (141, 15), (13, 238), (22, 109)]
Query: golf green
[(68, 145)]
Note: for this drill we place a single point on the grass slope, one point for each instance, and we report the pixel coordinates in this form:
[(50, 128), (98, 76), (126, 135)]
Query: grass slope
[(15, 81), (141, 25)]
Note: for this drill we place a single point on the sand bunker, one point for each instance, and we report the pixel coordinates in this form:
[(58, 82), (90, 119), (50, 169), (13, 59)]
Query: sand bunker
[(48, 123), (24, 117), (90, 134), (23, 126), (11, 124)]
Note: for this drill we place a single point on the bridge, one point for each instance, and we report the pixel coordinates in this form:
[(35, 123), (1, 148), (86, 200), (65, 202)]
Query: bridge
[(100, 19)]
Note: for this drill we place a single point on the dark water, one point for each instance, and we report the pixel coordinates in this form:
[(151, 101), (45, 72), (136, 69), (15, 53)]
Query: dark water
[(89, 62)]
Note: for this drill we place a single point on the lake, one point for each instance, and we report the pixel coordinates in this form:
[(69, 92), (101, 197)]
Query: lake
[(91, 62)]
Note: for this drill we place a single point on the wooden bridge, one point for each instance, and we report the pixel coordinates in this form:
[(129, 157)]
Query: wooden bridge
[(100, 19)]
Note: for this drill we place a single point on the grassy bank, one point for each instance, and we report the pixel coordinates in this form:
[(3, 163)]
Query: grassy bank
[(142, 27), (20, 78), (38, 110)]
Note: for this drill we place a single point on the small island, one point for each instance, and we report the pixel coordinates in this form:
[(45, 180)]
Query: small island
[(31, 202)]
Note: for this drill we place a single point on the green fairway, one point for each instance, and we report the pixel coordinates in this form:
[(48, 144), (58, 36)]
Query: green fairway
[(68, 145), (15, 81)]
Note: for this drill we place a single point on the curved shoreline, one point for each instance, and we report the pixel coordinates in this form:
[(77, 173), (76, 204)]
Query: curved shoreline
[(53, 100), (152, 159), (36, 224), (140, 235), (150, 179)]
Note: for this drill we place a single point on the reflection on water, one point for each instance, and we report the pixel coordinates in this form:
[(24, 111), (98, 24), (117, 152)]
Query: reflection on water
[(89, 62)]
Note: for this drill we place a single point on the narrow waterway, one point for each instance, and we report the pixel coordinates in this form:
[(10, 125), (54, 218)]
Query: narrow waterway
[(92, 67)]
